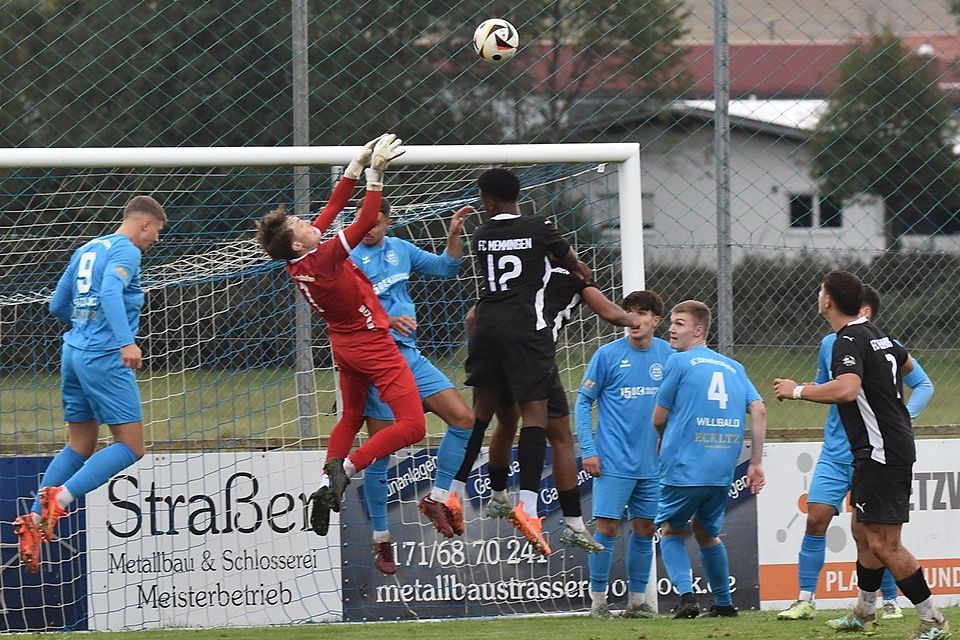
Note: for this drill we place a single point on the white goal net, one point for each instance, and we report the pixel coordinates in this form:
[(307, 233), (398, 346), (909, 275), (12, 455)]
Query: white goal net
[(210, 528)]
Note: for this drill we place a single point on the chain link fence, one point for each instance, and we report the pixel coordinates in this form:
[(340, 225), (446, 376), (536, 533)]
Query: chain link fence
[(779, 140)]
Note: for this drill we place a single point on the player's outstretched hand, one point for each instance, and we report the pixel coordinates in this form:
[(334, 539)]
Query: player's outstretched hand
[(458, 219), (755, 478), (633, 320), (783, 388), (583, 272), (361, 160), (386, 149)]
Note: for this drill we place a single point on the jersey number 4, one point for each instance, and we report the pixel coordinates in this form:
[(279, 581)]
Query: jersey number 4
[(717, 391), (507, 268)]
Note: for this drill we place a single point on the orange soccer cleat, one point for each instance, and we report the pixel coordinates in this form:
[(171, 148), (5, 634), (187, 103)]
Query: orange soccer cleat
[(531, 528), (50, 511), (29, 539), (455, 511)]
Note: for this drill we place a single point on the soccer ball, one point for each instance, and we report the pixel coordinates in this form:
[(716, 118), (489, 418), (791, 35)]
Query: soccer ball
[(496, 40)]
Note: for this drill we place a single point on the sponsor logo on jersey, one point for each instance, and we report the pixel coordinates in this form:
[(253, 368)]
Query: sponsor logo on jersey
[(849, 361)]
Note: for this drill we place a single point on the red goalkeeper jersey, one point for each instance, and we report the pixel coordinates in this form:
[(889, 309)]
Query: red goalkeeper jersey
[(327, 277), (337, 289)]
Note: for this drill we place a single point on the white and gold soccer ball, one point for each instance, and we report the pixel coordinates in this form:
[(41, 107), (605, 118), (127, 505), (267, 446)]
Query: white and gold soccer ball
[(496, 40)]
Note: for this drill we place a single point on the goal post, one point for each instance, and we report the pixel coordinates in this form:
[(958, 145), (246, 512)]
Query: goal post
[(230, 464)]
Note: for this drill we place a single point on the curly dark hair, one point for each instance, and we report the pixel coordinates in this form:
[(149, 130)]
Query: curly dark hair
[(274, 236)]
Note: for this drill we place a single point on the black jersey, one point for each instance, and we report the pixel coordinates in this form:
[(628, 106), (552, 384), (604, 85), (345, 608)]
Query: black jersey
[(513, 259), (564, 294), (877, 423)]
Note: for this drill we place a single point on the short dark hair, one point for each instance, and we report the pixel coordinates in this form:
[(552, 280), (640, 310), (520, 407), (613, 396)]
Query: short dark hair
[(500, 184), (871, 298), (698, 311), (645, 300), (147, 205), (846, 291), (384, 207), (275, 236)]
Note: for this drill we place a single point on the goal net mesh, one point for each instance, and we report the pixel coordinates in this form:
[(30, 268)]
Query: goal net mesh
[(198, 532)]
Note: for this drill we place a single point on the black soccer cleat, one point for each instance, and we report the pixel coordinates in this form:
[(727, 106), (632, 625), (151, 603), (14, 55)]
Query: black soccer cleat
[(322, 502), (688, 607), (338, 481), (721, 611)]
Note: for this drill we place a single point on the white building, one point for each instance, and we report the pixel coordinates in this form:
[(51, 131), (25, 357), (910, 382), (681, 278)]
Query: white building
[(776, 209)]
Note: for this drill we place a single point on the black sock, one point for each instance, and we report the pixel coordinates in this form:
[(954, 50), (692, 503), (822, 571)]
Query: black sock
[(570, 502), (498, 478), (531, 452), (473, 450), (915, 587), (869, 579)]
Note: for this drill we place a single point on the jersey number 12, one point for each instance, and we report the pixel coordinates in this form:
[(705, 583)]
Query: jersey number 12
[(508, 267)]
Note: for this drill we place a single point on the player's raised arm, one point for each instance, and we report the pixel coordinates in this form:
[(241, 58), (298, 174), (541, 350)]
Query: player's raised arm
[(387, 148), (607, 309), (344, 187)]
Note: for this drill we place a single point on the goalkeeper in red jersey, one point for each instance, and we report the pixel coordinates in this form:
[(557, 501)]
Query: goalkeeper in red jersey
[(358, 326)]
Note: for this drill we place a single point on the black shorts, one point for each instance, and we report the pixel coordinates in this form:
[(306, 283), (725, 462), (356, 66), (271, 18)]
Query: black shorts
[(880, 493), (557, 405), (521, 361)]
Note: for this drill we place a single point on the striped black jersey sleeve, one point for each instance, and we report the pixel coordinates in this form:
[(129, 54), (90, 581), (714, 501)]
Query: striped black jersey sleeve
[(513, 259), (564, 294), (877, 423)]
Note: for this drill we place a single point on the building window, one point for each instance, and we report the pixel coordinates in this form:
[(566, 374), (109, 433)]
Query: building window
[(801, 211), (831, 212)]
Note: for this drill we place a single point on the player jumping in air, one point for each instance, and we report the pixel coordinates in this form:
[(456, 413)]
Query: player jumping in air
[(358, 326), (99, 294), (389, 262), (511, 348)]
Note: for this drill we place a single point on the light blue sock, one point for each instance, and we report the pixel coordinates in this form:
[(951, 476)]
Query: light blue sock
[(677, 562), (65, 464), (888, 586), (813, 551), (639, 558), (101, 466), (375, 492), (450, 455), (600, 563), (717, 568)]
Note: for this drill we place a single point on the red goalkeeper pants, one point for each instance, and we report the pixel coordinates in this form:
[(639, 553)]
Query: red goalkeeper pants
[(372, 357)]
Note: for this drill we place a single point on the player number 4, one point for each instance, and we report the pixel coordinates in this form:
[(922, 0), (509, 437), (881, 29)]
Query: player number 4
[(718, 389)]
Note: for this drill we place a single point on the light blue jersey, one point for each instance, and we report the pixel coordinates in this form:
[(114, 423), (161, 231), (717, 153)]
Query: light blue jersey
[(836, 446), (99, 294), (707, 395), (623, 381), (389, 265)]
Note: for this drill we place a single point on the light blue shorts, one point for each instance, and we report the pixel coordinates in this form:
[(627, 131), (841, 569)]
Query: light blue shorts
[(679, 504), (611, 495), (430, 381), (94, 385), (831, 483)]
